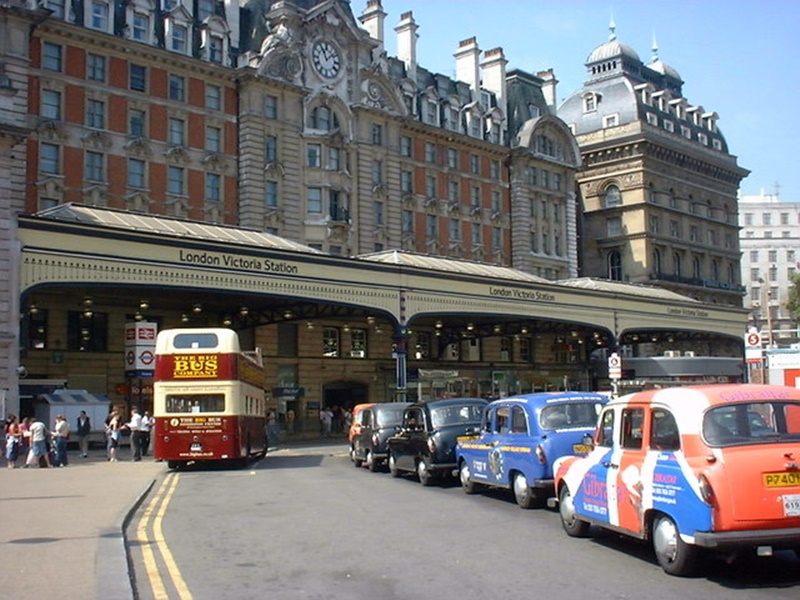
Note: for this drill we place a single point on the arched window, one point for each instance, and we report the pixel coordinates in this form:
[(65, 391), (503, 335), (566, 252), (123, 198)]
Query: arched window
[(715, 270), (676, 264), (614, 266), (323, 118), (657, 262), (696, 272), (613, 196), (651, 194)]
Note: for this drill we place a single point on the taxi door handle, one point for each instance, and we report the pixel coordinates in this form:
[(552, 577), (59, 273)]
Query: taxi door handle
[(610, 465)]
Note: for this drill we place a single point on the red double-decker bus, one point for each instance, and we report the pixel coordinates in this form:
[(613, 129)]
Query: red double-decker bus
[(209, 402)]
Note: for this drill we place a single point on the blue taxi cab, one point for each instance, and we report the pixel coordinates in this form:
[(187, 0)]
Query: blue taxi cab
[(521, 436)]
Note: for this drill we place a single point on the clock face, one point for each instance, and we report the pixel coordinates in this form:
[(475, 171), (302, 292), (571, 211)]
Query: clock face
[(326, 59)]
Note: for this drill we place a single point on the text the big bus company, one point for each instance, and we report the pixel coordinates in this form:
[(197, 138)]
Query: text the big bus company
[(231, 261)]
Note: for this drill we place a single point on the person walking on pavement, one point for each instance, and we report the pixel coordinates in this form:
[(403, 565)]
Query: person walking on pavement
[(60, 436), (13, 441), (39, 442), (83, 431), (112, 432), (135, 426)]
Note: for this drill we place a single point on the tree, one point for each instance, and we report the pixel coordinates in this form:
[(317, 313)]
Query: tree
[(793, 303)]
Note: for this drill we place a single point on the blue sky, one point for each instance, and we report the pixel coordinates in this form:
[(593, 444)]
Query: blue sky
[(740, 58)]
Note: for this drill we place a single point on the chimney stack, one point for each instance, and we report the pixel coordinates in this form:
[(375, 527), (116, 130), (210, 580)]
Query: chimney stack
[(372, 19), (407, 43), (467, 68), (549, 83), (494, 76)]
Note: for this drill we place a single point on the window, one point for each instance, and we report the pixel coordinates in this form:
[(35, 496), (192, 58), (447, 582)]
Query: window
[(136, 173), (632, 428), (697, 270), (406, 182), (506, 345), (215, 46), (95, 114), (177, 87), (213, 187), (141, 27), (314, 200), (534, 242), (452, 191), (674, 229), (494, 169), (589, 103), (532, 176), (213, 138), (330, 342), (657, 262), (496, 201), (431, 112), (545, 178), (377, 135), (676, 264), (654, 224), (694, 233), (766, 219), (271, 194), (96, 68), (179, 37), (430, 152), (475, 196), (377, 172), (49, 159), (358, 343), (474, 164), (790, 254), (613, 196), (37, 329), (557, 181), (271, 107), (99, 16), (324, 118), (610, 121), (405, 146), (334, 162), (497, 239), (431, 226), (430, 186), (271, 149), (136, 122), (455, 230), (423, 346), (175, 177), (93, 170), (51, 57), (137, 75), (614, 226), (51, 104), (452, 158), (87, 332), (477, 235), (525, 350), (408, 221), (377, 213), (177, 128), (605, 433), (314, 154), (615, 266)]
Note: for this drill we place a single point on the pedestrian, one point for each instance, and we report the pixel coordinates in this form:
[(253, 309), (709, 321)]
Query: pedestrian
[(112, 435), (290, 421), (13, 437), (272, 428), (60, 435), (326, 419), (39, 443), (25, 440), (83, 431), (135, 427), (147, 427)]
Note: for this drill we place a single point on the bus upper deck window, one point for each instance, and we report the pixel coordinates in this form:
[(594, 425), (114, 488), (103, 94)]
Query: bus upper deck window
[(196, 340)]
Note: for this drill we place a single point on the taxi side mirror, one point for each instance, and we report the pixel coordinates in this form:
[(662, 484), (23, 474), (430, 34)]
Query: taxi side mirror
[(588, 440)]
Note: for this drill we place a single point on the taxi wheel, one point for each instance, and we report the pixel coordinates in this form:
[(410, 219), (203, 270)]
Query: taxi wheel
[(372, 465), (354, 457), (674, 555), (393, 470), (574, 526), (424, 473), (523, 494), (469, 486)]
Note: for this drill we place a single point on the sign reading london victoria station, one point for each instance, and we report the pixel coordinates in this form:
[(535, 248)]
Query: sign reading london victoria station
[(233, 261), (521, 294)]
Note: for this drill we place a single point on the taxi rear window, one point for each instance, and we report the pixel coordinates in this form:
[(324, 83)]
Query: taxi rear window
[(752, 422)]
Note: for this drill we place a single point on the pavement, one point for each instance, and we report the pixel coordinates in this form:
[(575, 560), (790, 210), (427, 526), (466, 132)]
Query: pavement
[(62, 529)]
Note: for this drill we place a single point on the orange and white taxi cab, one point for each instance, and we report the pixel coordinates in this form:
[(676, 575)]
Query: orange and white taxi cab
[(691, 469)]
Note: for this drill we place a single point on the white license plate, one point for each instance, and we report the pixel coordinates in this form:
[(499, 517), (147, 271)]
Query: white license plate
[(791, 505), (196, 448)]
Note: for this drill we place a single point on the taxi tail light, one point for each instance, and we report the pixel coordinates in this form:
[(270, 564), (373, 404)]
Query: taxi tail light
[(431, 446), (706, 491), (541, 455)]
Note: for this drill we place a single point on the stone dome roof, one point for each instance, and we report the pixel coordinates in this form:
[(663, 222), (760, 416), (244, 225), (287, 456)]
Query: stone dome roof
[(611, 49)]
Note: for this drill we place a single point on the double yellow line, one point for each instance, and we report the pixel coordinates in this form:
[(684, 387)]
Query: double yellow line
[(154, 542)]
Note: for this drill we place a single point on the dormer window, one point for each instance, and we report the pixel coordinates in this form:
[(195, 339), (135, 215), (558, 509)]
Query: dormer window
[(98, 16), (178, 37), (324, 118), (589, 103)]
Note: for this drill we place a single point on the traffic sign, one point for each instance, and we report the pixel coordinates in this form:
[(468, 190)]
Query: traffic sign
[(614, 366), (753, 352)]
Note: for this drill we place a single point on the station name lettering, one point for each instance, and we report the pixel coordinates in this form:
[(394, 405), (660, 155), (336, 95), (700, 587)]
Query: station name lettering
[(517, 294), (687, 312), (232, 261)]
